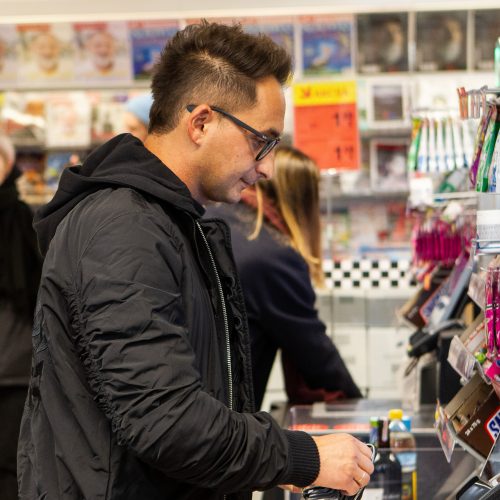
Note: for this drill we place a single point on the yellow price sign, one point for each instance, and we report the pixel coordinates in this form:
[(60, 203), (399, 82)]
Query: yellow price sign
[(324, 93)]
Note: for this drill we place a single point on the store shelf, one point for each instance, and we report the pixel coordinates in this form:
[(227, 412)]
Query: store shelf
[(337, 201), (39, 146), (78, 87), (385, 132), (372, 195), (456, 195)]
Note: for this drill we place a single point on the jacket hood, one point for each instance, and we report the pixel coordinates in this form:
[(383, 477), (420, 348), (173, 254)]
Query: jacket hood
[(122, 162)]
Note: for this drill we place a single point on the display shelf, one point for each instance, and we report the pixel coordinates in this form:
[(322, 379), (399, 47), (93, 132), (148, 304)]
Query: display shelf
[(478, 250), (372, 133), (476, 290), (342, 198), (76, 87), (456, 195), (35, 145), (488, 225), (464, 418), (464, 362)]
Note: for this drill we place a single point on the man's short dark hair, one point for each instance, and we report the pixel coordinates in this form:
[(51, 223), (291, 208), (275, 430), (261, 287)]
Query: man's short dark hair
[(214, 64)]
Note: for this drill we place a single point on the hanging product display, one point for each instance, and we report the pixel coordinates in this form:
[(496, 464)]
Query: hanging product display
[(440, 143), (485, 171), (492, 322), (437, 239), (441, 245), (478, 146), (485, 160), (472, 415)]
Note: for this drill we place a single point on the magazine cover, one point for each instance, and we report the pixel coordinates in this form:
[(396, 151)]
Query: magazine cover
[(326, 44), (148, 39), (388, 170), (486, 33), (382, 42), (103, 53), (279, 29), (441, 40), (8, 56), (55, 163), (108, 108), (23, 116), (45, 55), (388, 103), (31, 184), (68, 120)]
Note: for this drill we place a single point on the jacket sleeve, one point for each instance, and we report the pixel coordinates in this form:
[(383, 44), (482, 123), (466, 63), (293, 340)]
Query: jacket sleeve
[(141, 368), (278, 286)]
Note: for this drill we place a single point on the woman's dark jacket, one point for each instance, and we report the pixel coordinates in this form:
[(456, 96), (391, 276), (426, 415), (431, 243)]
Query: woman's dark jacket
[(280, 303), (20, 267), (129, 391)]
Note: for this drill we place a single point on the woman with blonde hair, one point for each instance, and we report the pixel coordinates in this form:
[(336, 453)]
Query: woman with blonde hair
[(276, 236)]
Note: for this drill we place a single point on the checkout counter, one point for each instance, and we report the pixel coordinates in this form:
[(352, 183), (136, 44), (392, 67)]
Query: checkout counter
[(436, 478)]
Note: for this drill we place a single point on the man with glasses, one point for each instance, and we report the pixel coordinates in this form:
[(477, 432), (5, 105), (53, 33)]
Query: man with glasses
[(263, 143), (141, 383)]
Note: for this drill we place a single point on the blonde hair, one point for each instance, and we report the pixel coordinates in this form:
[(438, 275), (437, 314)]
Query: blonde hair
[(7, 150), (294, 189)]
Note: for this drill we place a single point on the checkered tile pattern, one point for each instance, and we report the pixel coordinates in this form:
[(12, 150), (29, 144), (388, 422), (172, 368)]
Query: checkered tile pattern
[(366, 274)]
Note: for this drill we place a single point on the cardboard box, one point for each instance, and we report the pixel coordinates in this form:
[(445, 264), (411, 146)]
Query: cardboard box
[(484, 426), (475, 415)]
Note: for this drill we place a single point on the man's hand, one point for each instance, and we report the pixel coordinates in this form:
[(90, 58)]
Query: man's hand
[(345, 463)]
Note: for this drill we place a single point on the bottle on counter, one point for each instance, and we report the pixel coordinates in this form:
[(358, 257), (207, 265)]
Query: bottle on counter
[(404, 447), (373, 437), (385, 482)]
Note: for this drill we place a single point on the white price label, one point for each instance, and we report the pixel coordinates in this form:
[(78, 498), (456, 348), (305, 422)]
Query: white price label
[(421, 191)]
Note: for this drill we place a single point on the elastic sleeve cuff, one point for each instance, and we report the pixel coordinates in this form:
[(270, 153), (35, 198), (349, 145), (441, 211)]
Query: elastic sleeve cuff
[(304, 459)]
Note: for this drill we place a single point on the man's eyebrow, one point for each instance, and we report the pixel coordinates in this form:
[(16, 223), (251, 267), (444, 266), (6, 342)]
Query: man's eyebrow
[(272, 132)]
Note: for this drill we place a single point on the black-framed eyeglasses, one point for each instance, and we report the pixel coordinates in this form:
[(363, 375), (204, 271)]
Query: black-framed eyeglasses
[(269, 142)]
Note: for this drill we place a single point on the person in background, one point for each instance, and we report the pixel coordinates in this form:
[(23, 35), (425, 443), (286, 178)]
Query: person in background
[(20, 267), (141, 381), (136, 116), (276, 238)]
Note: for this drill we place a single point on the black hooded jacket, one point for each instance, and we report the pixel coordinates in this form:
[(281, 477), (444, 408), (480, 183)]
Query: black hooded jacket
[(130, 395)]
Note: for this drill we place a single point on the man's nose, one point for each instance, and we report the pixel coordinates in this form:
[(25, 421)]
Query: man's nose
[(265, 167)]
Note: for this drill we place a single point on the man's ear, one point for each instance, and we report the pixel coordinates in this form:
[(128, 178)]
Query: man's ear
[(199, 118)]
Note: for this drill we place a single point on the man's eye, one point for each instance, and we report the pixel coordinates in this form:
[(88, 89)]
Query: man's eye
[(258, 143)]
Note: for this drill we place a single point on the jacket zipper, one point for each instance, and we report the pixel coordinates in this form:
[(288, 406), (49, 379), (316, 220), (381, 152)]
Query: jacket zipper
[(226, 323)]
